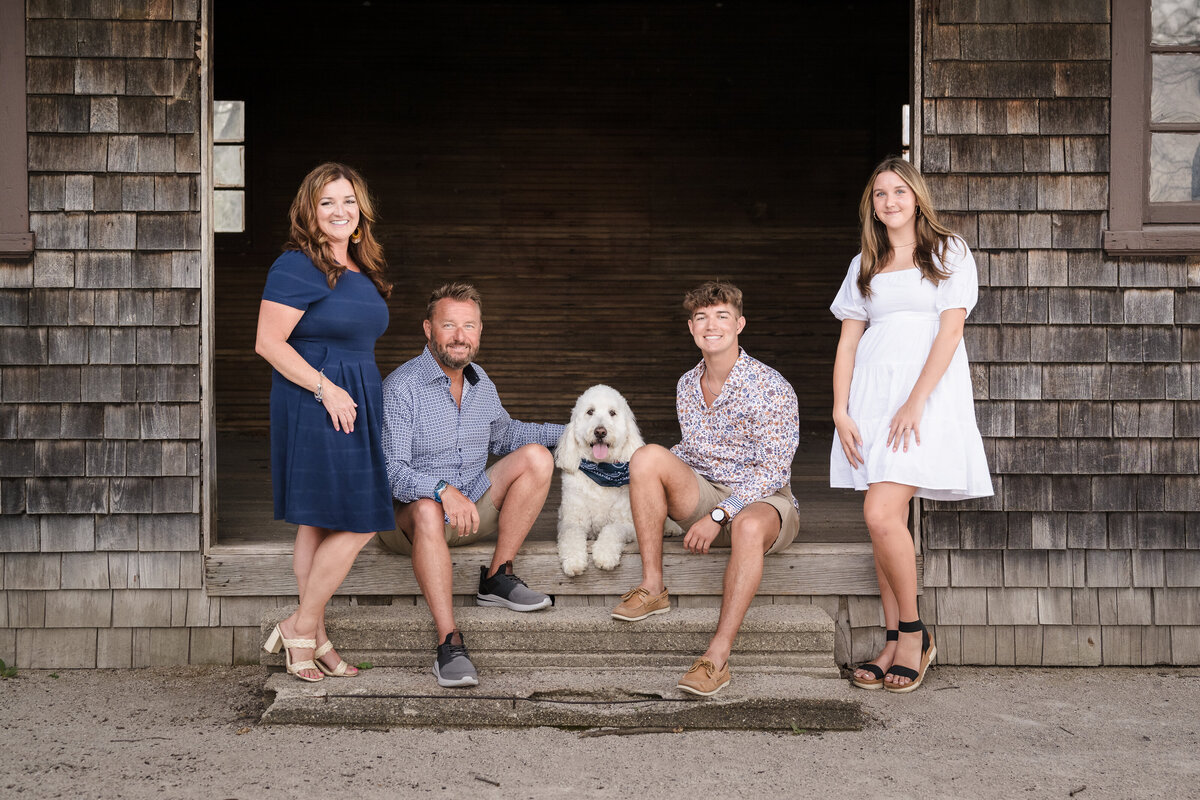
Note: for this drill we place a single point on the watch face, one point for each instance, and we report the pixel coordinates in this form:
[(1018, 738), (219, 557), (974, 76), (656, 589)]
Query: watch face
[(719, 515)]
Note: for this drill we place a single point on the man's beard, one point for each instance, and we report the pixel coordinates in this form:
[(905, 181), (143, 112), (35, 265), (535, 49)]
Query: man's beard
[(450, 361)]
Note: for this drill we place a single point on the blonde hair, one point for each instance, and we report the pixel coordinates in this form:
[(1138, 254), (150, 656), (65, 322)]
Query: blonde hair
[(932, 235), (306, 236), (713, 293)]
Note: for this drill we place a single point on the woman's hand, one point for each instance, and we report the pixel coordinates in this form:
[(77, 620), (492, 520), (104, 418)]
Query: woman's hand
[(906, 424), (851, 441), (341, 407)]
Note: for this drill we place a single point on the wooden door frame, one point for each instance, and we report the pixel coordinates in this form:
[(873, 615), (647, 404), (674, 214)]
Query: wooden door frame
[(208, 441), (208, 447)]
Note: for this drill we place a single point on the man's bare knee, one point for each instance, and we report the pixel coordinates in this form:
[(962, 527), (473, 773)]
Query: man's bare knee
[(755, 533), (428, 520), (537, 461), (648, 462)]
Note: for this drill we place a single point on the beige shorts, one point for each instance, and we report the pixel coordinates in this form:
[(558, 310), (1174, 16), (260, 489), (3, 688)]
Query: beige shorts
[(400, 541), (711, 494)]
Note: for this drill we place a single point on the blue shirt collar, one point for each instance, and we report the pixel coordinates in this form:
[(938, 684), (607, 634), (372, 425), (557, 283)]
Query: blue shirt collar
[(430, 371)]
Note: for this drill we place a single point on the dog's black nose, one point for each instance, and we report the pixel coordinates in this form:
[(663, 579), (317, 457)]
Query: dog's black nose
[(600, 433)]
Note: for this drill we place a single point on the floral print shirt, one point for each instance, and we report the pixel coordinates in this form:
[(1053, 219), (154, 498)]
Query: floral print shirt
[(747, 438)]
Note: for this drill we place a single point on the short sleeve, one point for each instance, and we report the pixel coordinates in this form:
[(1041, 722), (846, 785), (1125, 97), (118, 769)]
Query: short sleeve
[(849, 303), (295, 281), (961, 289)]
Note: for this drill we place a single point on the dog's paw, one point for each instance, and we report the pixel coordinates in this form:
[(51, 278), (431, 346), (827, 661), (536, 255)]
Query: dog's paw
[(606, 553), (574, 565)]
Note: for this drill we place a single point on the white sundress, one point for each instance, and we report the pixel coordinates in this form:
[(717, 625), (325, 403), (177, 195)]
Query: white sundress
[(902, 317)]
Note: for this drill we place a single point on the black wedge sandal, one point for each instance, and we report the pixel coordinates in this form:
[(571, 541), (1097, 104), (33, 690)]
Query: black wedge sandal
[(876, 682), (928, 652)]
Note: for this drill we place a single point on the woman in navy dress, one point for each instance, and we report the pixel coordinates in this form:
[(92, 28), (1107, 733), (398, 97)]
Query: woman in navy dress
[(322, 310)]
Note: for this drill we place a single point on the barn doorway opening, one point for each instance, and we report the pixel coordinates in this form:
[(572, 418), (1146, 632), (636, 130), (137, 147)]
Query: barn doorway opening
[(583, 164)]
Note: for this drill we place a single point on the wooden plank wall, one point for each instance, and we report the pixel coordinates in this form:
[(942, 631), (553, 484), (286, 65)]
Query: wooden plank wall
[(584, 165)]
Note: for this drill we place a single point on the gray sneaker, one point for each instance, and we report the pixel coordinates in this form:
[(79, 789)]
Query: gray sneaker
[(453, 666), (506, 589)]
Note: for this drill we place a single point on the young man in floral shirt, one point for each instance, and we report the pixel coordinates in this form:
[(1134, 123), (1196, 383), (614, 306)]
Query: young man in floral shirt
[(727, 483)]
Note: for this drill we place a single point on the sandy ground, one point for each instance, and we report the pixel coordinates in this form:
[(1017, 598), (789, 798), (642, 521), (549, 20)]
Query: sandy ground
[(969, 733)]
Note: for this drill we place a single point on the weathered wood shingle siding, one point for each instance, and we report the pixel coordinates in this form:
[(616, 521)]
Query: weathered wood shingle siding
[(100, 538), (1084, 365), (1086, 368)]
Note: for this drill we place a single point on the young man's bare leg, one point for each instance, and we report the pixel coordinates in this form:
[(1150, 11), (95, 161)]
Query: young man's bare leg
[(752, 532), (659, 485)]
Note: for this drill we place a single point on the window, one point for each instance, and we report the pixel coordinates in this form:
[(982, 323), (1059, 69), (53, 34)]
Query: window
[(1154, 196), (16, 240), (229, 166)]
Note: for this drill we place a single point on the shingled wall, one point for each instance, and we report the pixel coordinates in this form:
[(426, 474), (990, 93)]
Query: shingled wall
[(1085, 366), (100, 535)]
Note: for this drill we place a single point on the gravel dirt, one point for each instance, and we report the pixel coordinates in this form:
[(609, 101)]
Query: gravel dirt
[(968, 733)]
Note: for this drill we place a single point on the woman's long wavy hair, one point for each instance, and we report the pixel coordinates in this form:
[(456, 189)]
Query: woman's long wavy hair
[(932, 235), (306, 236)]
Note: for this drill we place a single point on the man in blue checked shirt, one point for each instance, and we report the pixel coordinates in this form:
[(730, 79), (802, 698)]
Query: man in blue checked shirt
[(441, 418)]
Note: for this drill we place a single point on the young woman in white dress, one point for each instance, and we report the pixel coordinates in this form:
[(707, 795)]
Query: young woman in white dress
[(902, 399)]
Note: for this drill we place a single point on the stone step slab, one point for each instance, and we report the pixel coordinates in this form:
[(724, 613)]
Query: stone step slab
[(799, 637), (634, 697)]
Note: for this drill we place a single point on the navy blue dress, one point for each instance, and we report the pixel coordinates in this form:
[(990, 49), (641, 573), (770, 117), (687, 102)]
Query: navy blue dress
[(321, 476)]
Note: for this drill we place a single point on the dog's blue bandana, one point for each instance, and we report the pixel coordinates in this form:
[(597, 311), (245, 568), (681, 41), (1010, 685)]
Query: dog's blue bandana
[(606, 474)]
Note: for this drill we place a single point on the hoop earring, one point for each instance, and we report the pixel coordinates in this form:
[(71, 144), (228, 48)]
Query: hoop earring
[(918, 211), (356, 237), (876, 216)]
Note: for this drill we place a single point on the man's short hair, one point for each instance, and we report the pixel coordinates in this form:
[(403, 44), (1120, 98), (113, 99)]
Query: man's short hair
[(458, 290), (713, 293)]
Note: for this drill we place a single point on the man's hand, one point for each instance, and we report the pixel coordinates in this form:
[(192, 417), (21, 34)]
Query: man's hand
[(463, 515), (701, 535)]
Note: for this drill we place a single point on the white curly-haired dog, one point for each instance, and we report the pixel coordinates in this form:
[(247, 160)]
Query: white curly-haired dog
[(593, 453)]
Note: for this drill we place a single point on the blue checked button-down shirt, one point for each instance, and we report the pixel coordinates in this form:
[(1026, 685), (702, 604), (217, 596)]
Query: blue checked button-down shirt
[(427, 438), (747, 438)]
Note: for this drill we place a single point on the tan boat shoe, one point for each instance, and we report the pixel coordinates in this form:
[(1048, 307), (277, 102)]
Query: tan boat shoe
[(704, 678), (638, 604)]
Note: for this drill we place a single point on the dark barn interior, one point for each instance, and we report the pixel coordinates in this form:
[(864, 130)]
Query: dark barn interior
[(583, 164)]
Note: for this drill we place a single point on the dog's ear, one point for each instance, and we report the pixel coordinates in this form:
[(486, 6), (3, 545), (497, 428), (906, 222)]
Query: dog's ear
[(633, 436), (568, 452)]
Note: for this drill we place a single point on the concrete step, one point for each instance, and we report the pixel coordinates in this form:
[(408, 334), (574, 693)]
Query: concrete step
[(797, 637), (631, 697)]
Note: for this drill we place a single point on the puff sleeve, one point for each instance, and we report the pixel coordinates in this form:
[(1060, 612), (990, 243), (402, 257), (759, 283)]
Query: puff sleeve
[(295, 281), (849, 303), (961, 289)]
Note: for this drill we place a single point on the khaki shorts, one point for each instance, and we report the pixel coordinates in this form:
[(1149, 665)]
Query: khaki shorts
[(711, 494), (399, 541)]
